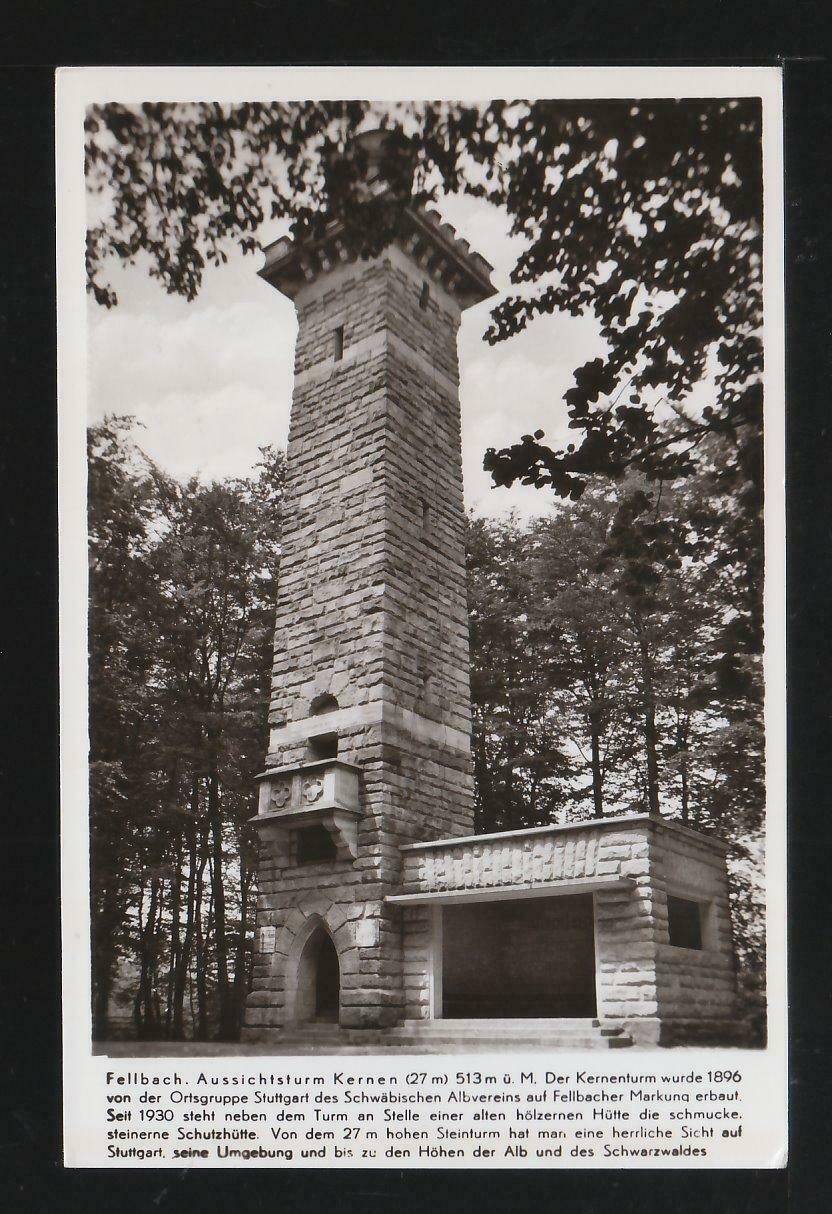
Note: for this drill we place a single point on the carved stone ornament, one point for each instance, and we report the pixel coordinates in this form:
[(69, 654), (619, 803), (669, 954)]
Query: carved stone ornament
[(313, 790), (281, 794)]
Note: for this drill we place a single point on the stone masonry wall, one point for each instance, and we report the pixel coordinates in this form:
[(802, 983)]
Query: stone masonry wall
[(328, 627), (372, 610), (549, 854), (418, 959), (372, 600), (697, 993)]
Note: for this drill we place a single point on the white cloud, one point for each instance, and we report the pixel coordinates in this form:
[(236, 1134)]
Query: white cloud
[(211, 380), (514, 388), (222, 432)]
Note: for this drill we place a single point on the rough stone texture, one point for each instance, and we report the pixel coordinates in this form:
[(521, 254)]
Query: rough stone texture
[(539, 856), (372, 606), (696, 990), (659, 993), (417, 935), (372, 611)]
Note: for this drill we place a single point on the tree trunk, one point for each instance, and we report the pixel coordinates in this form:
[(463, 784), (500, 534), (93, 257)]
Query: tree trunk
[(201, 949), (650, 733), (154, 960), (184, 959), (227, 1018), (681, 741), (484, 817), (240, 958), (104, 955), (685, 793), (593, 717), (145, 1007)]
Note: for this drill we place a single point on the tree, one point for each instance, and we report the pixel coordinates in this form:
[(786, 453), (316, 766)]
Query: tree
[(602, 630), (181, 631), (645, 213), (120, 514), (517, 741), (577, 626)]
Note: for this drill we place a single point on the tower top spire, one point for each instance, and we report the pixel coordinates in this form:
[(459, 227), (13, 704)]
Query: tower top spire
[(435, 246)]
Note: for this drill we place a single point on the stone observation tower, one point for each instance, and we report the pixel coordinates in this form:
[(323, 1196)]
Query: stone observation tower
[(377, 908), (370, 710)]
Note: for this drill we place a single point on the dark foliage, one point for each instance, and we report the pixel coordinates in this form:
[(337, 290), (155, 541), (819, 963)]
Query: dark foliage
[(181, 615), (646, 214)]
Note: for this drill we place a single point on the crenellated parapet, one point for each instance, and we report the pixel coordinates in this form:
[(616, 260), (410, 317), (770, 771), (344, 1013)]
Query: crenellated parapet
[(433, 246)]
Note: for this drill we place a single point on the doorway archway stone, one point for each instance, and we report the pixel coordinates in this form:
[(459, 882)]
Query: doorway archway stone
[(317, 960)]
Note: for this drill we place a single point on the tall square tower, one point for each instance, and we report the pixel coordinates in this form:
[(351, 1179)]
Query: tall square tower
[(370, 708)]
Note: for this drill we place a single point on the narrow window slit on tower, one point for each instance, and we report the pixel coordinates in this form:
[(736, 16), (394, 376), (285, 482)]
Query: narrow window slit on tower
[(338, 343), (424, 298), (425, 507)]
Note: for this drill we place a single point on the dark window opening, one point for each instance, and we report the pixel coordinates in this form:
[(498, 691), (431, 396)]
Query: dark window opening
[(315, 845), (684, 923), (338, 343), (425, 515), (323, 746), (323, 703), (424, 298)]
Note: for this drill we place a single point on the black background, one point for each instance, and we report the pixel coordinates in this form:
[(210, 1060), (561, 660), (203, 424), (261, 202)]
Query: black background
[(37, 36)]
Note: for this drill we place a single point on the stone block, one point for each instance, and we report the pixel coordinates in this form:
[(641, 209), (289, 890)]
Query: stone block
[(620, 852), (375, 998), (637, 867), (358, 1017), (350, 961), (255, 1016)]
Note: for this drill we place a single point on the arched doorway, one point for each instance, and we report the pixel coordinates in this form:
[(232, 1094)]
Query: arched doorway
[(319, 980)]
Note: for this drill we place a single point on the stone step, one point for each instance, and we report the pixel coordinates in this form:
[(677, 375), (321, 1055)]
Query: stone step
[(518, 1025), (554, 1041), (453, 1036), (440, 1046), (534, 1022)]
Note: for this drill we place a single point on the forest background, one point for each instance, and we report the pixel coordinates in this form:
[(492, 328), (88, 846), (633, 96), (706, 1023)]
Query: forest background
[(616, 642), (594, 638)]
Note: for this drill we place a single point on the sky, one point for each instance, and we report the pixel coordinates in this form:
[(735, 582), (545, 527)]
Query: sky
[(211, 381)]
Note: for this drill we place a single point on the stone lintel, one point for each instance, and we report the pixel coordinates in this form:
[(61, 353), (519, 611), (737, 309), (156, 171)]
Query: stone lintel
[(505, 893), (377, 713), (291, 768)]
